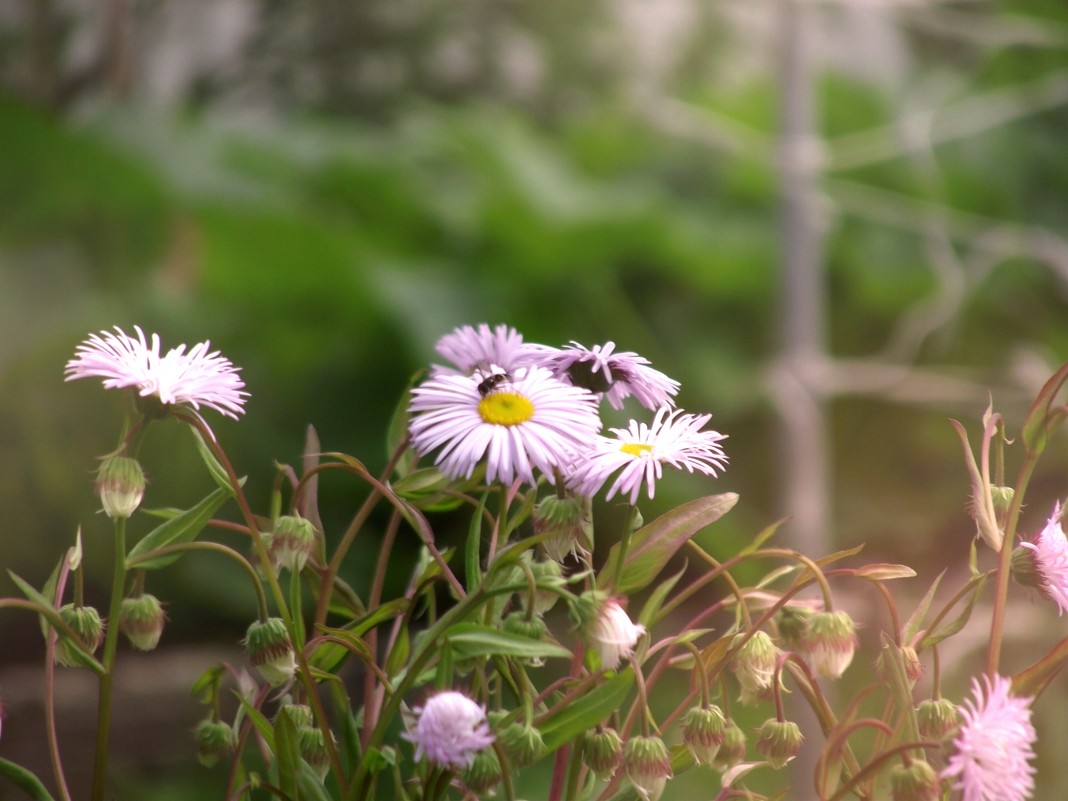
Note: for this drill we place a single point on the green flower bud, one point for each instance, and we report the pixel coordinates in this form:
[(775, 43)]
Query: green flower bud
[(120, 483), (214, 740), (754, 665), (829, 642), (270, 650), (483, 774), (86, 623), (569, 522), (1002, 498), (546, 574), (703, 732), (732, 751), (915, 782), (936, 718), (603, 752), (292, 542), (142, 619), (648, 765), (910, 663), (792, 623), (779, 741), (522, 743)]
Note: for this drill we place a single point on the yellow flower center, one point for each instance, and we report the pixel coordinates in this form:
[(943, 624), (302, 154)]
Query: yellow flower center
[(635, 448), (505, 409)]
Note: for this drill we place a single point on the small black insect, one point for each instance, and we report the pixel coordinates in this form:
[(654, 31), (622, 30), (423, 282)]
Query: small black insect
[(491, 382)]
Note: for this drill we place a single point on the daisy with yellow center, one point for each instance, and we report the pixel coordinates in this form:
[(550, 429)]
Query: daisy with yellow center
[(640, 451), (525, 422)]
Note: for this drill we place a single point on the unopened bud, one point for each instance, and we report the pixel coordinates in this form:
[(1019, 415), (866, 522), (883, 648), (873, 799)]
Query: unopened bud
[(142, 619), (915, 782), (215, 740), (86, 623), (603, 752), (648, 765), (936, 718), (270, 650), (292, 542), (703, 732), (1002, 497), (120, 483), (754, 665), (829, 642), (732, 751), (568, 523), (779, 741), (483, 774), (522, 743)]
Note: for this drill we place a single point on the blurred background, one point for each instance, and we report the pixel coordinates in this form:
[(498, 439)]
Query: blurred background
[(836, 223)]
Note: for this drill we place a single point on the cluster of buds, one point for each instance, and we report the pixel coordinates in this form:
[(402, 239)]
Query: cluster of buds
[(310, 740)]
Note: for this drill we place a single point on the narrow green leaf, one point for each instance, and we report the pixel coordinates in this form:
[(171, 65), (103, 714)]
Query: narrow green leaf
[(185, 527), (287, 754), (955, 625), (1035, 679), (654, 544), (915, 621), (215, 468), (656, 599), (885, 571), (582, 713), (397, 432), (263, 726), (83, 657), (24, 780), (469, 640)]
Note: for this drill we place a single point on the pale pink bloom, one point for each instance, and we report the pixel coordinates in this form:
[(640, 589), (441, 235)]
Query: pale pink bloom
[(177, 377), (994, 745), (614, 635), (1049, 552), (449, 729), (616, 374), (485, 350), (529, 420), (640, 451)]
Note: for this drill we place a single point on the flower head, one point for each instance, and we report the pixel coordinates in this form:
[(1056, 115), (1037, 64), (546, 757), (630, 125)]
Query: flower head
[(779, 741), (616, 375), (640, 451), (754, 665), (483, 349), (829, 642), (603, 751), (197, 377), (992, 751), (449, 729), (530, 421), (703, 732), (1049, 557)]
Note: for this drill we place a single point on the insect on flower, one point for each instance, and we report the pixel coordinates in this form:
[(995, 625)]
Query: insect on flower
[(492, 380)]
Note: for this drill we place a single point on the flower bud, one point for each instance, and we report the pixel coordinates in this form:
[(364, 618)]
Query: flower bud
[(120, 483), (142, 619), (792, 624), (86, 623), (703, 732), (1002, 497), (936, 718), (270, 650), (522, 743), (603, 752), (483, 774), (546, 574), (214, 740), (829, 642), (608, 628), (779, 741), (910, 663), (915, 782), (648, 766), (754, 665), (732, 751), (568, 522), (292, 542)]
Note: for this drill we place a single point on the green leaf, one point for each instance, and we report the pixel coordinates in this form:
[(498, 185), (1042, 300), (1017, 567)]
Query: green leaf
[(24, 780), (82, 656), (287, 754), (397, 432), (955, 625), (263, 726), (215, 468), (469, 640), (915, 622), (579, 714), (182, 528), (656, 599), (473, 550), (654, 544), (1035, 679)]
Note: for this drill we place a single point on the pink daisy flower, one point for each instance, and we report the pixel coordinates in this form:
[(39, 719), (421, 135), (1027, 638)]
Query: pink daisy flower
[(486, 350), (640, 451), (1049, 555), (617, 375), (449, 729), (526, 420), (197, 378), (993, 748)]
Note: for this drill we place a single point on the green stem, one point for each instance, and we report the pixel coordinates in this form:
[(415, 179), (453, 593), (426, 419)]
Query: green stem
[(111, 641), (1001, 594), (624, 544)]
